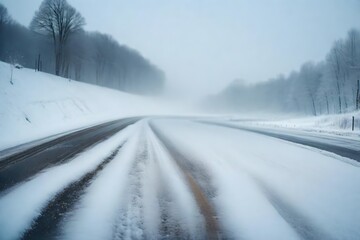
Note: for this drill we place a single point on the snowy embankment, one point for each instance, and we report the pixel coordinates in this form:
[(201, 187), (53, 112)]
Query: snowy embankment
[(338, 124), (38, 105)]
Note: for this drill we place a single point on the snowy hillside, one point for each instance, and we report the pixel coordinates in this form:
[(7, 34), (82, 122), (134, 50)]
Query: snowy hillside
[(39, 104)]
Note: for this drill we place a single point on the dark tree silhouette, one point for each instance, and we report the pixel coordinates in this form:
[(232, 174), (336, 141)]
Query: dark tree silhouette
[(4, 15), (59, 20), (90, 57)]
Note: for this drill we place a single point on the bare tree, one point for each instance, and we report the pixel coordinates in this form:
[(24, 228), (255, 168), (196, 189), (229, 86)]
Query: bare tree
[(335, 65), (89, 57), (4, 15), (59, 20), (351, 55), (4, 19)]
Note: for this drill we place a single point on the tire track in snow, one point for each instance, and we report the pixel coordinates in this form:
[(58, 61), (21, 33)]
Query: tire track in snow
[(197, 171), (205, 207), (152, 207), (96, 213), (189, 170), (302, 225), (130, 221), (170, 227), (181, 217), (46, 225), (99, 213)]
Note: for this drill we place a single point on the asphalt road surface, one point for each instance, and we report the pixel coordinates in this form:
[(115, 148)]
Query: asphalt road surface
[(178, 178), (343, 147), (20, 166)]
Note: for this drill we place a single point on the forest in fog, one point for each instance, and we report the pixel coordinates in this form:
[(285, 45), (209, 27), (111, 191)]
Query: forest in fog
[(56, 42), (326, 87), (61, 46)]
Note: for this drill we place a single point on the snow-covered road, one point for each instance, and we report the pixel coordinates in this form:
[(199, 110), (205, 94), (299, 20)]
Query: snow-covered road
[(176, 178)]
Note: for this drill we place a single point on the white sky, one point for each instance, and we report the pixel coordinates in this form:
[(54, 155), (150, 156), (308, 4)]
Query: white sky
[(202, 45)]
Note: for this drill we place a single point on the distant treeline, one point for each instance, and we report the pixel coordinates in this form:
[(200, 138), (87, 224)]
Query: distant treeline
[(330, 86), (89, 57)]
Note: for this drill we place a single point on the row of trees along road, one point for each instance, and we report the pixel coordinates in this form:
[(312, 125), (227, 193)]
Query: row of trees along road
[(329, 86), (56, 34)]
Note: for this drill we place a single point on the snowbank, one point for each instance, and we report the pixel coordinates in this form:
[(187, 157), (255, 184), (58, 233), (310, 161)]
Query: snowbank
[(339, 124), (38, 104)]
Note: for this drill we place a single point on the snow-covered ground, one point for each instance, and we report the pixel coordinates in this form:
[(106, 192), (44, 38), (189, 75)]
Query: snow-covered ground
[(338, 124), (38, 104), (260, 187)]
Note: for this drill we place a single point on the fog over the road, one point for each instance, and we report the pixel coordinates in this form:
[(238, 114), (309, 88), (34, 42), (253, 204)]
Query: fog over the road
[(204, 45)]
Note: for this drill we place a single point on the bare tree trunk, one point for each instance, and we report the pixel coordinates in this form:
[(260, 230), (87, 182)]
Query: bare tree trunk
[(345, 103), (358, 95), (327, 104), (56, 55), (78, 71), (313, 106), (57, 61), (339, 96)]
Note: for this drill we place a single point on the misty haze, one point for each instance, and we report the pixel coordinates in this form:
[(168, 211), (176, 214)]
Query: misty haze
[(181, 119)]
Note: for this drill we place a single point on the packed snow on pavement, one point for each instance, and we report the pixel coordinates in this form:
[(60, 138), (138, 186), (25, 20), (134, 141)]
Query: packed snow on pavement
[(260, 188)]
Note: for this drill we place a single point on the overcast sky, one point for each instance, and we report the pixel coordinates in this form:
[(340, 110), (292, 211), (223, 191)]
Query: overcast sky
[(202, 45)]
